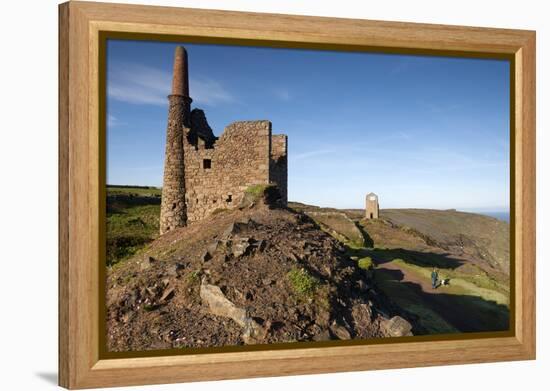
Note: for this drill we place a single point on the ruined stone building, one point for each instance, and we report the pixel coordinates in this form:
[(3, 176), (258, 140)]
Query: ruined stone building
[(203, 172), (371, 207)]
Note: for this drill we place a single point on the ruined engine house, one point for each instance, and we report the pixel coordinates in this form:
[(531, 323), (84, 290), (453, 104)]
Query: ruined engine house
[(203, 172)]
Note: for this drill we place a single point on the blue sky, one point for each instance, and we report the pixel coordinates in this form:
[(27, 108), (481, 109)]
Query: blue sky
[(420, 131)]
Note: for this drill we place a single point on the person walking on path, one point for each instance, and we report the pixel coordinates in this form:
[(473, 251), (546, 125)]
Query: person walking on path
[(434, 278)]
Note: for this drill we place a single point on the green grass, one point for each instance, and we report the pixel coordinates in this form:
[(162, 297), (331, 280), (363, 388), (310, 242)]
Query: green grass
[(218, 211), (459, 284), (194, 276), (141, 191), (341, 238), (478, 293), (257, 190), (131, 227), (406, 298), (302, 282), (365, 263)]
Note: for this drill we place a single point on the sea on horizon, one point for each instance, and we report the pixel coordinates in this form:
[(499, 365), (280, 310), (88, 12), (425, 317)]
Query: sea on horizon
[(504, 216)]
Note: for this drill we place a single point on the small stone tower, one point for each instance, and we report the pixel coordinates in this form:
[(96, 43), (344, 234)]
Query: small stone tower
[(371, 207), (173, 211)]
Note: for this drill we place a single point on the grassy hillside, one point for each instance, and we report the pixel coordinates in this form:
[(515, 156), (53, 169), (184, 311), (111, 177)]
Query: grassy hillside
[(470, 252), (132, 220), (146, 191), (251, 275), (475, 235)]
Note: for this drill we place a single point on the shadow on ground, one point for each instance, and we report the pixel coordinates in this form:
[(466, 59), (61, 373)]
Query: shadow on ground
[(369, 242), (464, 312), (418, 258)]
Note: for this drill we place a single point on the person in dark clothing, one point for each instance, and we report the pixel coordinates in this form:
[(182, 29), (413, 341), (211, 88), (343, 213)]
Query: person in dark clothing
[(434, 278)]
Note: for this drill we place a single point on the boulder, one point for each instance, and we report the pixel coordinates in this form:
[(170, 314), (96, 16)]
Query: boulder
[(362, 319), (238, 227), (240, 247), (340, 331), (219, 305), (397, 327), (322, 336)]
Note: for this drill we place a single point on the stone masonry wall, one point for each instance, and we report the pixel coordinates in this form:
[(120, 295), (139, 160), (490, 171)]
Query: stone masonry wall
[(217, 175), (203, 173), (371, 206), (173, 206), (278, 170)]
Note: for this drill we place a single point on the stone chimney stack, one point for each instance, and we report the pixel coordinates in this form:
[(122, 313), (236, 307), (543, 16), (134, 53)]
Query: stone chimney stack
[(173, 210), (180, 80)]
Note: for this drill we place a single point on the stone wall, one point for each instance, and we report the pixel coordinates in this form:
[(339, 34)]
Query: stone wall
[(278, 169), (203, 173), (371, 206), (216, 175), (173, 213)]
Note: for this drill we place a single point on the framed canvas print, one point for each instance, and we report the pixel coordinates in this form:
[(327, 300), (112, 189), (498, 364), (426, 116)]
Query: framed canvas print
[(248, 195)]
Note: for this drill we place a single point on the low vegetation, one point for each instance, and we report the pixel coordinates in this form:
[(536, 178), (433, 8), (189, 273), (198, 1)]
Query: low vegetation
[(365, 263), (292, 271), (146, 191), (257, 190), (469, 251), (130, 225), (479, 284), (302, 282), (340, 226)]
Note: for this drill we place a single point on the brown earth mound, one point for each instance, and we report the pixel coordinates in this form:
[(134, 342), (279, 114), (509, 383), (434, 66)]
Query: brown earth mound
[(259, 274)]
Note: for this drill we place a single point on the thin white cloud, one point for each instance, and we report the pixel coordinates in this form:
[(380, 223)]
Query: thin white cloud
[(282, 94), (113, 121), (209, 92), (310, 154), (140, 84), (437, 160)]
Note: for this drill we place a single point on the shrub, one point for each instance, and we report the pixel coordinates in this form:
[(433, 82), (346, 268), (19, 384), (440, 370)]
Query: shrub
[(269, 192), (365, 263), (194, 276), (257, 190), (302, 282), (129, 230), (122, 247)]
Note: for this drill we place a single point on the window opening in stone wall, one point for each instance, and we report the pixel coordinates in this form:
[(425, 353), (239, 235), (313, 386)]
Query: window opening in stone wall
[(206, 164)]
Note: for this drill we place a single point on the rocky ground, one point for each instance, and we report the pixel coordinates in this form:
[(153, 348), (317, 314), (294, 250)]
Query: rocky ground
[(257, 274), (470, 252)]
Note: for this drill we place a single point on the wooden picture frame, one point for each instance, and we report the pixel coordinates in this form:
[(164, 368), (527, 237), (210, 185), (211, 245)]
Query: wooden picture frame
[(81, 25)]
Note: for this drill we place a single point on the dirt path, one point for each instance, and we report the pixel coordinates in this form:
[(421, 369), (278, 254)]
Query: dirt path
[(412, 278), (441, 307)]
